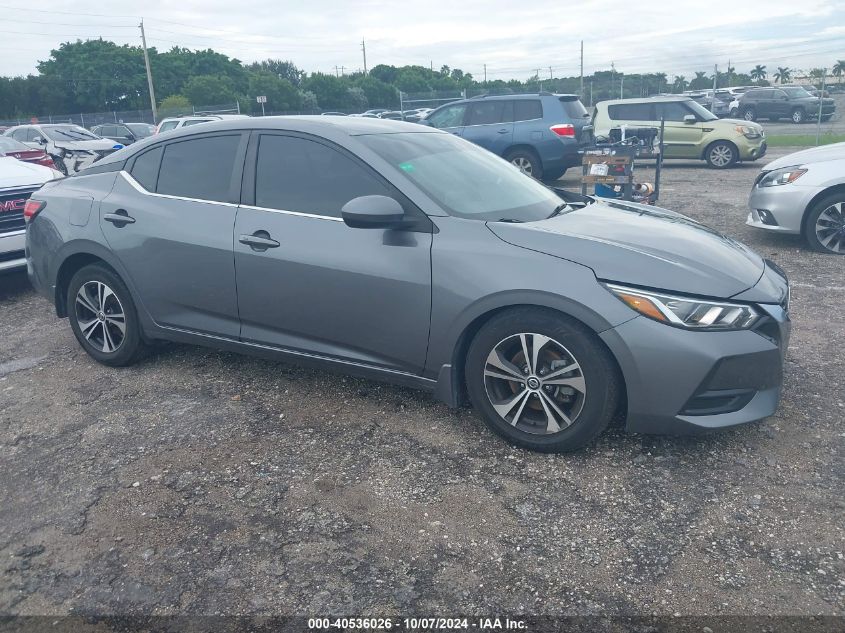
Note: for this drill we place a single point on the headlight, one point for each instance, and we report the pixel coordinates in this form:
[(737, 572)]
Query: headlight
[(694, 314), (57, 173), (748, 131), (781, 176)]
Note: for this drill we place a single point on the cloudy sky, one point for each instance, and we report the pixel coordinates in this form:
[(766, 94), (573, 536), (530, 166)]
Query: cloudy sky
[(512, 38)]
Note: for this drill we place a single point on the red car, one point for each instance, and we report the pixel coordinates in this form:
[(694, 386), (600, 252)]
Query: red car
[(16, 149)]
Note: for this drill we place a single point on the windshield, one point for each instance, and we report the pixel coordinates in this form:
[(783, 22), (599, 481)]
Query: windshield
[(69, 133), (8, 144), (141, 130), (797, 93), (467, 181), (700, 111)]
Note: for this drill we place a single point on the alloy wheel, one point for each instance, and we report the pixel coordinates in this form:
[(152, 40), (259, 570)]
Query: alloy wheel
[(534, 383), (523, 164), (830, 228), (721, 155), (797, 116), (100, 316)]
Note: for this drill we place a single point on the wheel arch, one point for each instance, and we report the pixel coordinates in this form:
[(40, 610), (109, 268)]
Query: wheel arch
[(524, 147), (821, 195), (73, 257), (451, 380)]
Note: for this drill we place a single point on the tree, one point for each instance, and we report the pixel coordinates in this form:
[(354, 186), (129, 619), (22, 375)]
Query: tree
[(783, 74), (413, 79), (282, 69), (281, 94), (700, 81), (330, 90), (209, 90), (356, 98), (680, 83), (384, 73), (176, 104), (378, 93), (839, 69), (758, 73), (308, 100)]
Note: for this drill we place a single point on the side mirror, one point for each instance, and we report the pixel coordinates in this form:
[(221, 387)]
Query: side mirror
[(425, 122), (40, 140), (690, 118), (373, 212)]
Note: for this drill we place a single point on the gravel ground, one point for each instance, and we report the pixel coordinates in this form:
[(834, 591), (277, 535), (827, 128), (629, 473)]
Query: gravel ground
[(203, 482)]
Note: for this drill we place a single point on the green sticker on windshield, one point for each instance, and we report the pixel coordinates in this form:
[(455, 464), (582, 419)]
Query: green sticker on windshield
[(406, 166)]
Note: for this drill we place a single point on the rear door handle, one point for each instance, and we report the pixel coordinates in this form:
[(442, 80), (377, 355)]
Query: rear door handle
[(119, 218), (503, 131), (259, 241)]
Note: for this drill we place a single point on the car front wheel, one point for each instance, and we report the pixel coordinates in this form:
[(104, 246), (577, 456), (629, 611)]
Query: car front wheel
[(749, 114), (102, 316), (824, 227), (721, 155), (541, 380), (797, 115), (527, 162)]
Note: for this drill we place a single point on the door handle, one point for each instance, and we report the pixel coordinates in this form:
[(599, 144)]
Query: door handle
[(119, 218), (259, 241), (504, 130)]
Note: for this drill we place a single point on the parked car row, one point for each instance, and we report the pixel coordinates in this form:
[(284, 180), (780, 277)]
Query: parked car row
[(784, 102)]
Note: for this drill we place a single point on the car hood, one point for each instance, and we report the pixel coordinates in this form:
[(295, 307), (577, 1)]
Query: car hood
[(835, 151), (99, 144), (642, 246), (732, 123), (16, 173)]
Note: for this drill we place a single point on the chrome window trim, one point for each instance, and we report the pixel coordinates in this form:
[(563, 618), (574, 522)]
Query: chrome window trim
[(15, 233), (296, 213), (140, 189)]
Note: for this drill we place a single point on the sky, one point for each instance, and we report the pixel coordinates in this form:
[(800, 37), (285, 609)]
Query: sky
[(513, 39)]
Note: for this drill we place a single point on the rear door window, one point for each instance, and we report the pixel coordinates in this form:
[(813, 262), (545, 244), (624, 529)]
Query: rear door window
[(199, 168), (631, 112), (527, 110), (488, 112)]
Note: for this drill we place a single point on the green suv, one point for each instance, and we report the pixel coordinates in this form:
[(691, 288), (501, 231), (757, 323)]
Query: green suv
[(691, 131)]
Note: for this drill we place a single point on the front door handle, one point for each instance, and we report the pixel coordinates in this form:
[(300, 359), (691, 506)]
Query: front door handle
[(119, 218), (503, 131), (259, 241)]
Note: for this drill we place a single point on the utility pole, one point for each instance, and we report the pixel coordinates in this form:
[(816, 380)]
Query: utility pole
[(612, 77), (821, 98), (485, 73), (149, 73), (582, 72), (364, 49), (550, 74), (338, 70), (621, 85), (715, 78)]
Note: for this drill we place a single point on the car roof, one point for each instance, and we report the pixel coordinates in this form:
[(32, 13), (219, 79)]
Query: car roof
[(329, 127)]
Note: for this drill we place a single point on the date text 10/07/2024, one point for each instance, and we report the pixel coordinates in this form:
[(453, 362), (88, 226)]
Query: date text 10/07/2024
[(416, 624)]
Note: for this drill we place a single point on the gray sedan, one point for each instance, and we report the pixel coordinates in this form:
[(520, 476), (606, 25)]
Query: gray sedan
[(804, 194), (403, 253)]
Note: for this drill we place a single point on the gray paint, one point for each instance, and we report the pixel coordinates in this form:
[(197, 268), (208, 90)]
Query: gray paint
[(397, 305)]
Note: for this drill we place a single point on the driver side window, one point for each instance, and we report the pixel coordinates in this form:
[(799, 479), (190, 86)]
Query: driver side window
[(450, 116)]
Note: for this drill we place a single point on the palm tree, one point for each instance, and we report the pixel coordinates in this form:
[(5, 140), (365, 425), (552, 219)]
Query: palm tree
[(758, 73), (783, 74), (730, 73), (699, 81), (839, 69), (680, 83)]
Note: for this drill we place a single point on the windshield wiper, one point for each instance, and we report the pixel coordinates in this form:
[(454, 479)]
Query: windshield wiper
[(559, 209), (509, 220)]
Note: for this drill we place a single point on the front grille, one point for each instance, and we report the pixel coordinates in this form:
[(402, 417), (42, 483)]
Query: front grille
[(11, 209)]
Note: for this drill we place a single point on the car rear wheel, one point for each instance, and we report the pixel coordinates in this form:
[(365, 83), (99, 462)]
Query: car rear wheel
[(797, 115), (527, 162), (721, 155), (734, 113), (749, 114), (541, 380), (102, 316), (824, 227)]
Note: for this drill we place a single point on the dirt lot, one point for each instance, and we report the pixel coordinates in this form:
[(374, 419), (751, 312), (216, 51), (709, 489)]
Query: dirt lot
[(205, 482)]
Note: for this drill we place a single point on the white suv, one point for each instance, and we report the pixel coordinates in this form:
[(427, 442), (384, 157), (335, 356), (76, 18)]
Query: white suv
[(173, 123)]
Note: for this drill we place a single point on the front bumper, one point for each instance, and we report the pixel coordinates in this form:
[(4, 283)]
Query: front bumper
[(685, 382), (752, 149), (784, 204), (12, 250)]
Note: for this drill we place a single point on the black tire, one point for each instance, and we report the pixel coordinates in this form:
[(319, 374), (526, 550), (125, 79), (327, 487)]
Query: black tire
[(798, 116), (105, 333), (571, 342), (526, 161), (734, 113), (749, 114), (837, 245), (721, 154)]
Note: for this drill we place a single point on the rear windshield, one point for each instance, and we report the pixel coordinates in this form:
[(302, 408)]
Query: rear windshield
[(574, 108), (8, 144)]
